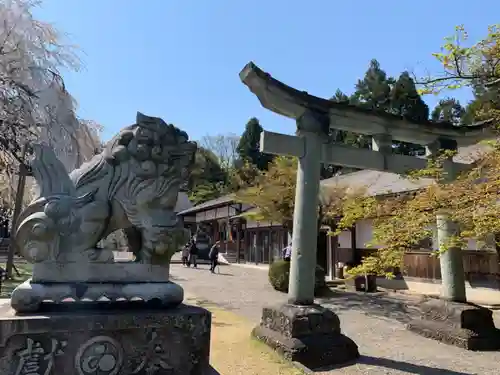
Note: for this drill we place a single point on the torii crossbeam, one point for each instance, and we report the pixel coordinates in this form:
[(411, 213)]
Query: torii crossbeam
[(287, 101)]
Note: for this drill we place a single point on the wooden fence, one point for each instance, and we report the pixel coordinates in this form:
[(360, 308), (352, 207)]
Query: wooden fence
[(479, 266)]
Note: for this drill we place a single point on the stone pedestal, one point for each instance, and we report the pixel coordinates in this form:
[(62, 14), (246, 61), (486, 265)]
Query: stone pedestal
[(30, 297), (124, 341), (309, 335), (464, 325)]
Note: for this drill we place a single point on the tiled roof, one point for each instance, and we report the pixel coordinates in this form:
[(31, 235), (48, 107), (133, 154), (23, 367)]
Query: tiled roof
[(377, 183), (226, 199)]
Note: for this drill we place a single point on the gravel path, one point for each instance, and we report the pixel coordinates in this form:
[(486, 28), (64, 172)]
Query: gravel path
[(375, 323)]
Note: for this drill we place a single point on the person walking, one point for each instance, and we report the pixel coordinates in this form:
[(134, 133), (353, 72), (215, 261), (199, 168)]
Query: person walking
[(287, 252), (213, 255), (185, 254), (193, 254)]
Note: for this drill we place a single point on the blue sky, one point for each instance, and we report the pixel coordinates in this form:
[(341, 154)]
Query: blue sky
[(180, 59)]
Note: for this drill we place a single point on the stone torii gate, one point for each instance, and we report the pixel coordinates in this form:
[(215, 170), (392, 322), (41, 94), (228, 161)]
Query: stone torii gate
[(314, 117)]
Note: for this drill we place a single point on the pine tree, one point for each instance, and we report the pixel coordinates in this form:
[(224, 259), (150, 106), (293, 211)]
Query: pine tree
[(346, 137), (249, 146), (405, 100), (343, 137), (373, 91), (340, 97)]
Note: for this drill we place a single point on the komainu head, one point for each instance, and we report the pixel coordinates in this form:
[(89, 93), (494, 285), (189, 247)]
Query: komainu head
[(153, 147)]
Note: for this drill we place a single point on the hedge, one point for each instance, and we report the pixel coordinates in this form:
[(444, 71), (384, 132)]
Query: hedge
[(279, 276)]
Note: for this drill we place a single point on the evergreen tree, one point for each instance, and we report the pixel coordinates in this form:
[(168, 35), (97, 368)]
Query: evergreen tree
[(405, 100), (343, 137), (340, 97), (346, 137), (249, 146), (373, 91), (448, 110)]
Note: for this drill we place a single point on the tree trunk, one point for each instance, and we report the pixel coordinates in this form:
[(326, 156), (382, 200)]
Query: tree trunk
[(21, 184)]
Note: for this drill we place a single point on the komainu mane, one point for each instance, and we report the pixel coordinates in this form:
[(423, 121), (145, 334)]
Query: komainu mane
[(132, 185)]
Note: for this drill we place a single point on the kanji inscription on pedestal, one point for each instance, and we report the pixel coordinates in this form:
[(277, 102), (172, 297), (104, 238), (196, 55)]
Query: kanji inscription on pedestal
[(34, 359), (154, 358)]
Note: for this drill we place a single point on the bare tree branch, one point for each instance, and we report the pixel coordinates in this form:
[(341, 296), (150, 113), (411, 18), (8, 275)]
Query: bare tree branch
[(223, 146), (34, 102)]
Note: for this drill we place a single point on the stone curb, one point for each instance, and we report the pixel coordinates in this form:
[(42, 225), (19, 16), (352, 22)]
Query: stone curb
[(494, 306)]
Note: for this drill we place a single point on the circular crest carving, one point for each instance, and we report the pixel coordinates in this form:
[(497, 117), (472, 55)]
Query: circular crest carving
[(101, 355)]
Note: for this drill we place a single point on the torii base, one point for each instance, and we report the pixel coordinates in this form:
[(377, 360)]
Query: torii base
[(118, 340), (464, 325), (309, 335)]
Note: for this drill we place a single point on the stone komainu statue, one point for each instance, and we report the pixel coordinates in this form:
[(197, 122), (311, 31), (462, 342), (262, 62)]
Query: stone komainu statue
[(132, 185)]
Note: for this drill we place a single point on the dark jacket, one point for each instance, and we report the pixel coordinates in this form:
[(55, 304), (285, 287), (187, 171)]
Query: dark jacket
[(214, 252), (193, 250)]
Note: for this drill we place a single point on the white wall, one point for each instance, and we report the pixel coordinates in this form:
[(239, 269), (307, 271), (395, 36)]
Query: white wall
[(364, 234), (345, 239)]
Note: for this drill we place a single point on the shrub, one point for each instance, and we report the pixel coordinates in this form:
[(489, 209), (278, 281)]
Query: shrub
[(279, 276)]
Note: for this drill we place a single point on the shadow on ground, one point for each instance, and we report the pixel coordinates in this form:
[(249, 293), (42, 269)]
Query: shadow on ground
[(212, 371), (383, 305), (405, 367), (202, 269)]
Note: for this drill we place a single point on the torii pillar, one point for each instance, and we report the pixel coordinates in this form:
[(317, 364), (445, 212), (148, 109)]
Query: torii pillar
[(311, 127), (309, 325)]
